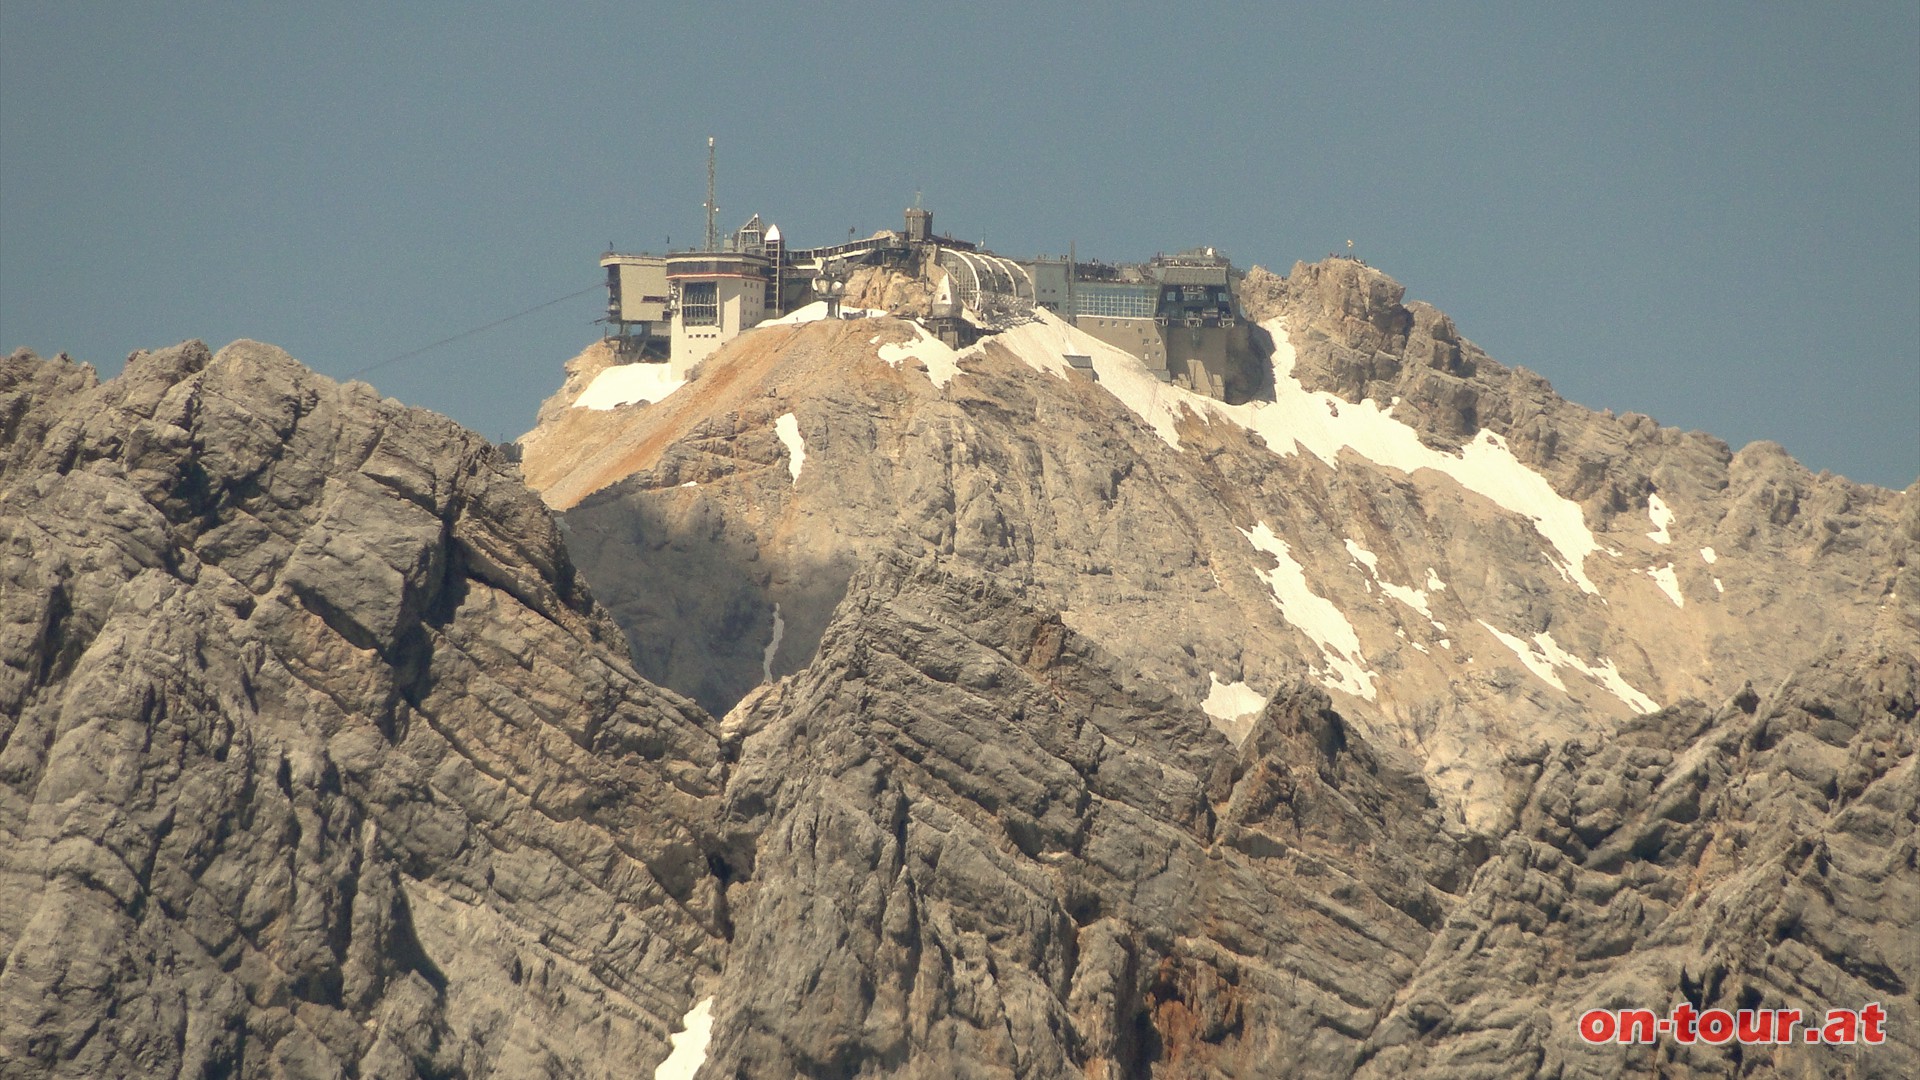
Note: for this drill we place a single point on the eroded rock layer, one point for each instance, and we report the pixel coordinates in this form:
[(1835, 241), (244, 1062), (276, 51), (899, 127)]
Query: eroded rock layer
[(1074, 726), (316, 758), (1452, 635)]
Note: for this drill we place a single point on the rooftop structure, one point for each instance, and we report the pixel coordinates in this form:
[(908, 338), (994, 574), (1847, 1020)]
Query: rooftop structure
[(1177, 313)]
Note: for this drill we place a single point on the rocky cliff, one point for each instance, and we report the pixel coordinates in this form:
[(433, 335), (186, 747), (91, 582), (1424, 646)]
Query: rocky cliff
[(1070, 725), (1471, 565), (316, 757), (1532, 701)]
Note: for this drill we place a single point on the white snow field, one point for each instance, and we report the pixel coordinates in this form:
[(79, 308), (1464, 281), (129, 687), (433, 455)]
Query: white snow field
[(628, 384), (1324, 425), (1543, 656)]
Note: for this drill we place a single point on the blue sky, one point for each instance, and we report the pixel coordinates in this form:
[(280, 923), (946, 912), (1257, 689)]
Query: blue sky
[(1709, 213)]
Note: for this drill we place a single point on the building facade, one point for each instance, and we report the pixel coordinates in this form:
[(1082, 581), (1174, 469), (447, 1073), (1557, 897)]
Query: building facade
[(714, 296), (1178, 314)]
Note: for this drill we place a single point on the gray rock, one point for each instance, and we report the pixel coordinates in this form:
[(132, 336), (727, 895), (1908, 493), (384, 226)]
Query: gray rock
[(977, 849), (317, 758)]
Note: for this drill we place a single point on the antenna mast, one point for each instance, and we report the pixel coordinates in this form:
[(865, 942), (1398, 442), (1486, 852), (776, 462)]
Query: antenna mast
[(713, 240)]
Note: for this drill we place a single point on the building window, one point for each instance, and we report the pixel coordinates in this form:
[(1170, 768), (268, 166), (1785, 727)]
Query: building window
[(700, 303), (1116, 301)]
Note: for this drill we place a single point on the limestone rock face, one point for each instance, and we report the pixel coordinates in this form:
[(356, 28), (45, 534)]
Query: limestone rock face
[(1073, 725), (886, 289), (1756, 854), (1082, 726), (316, 757), (978, 848), (1469, 564)]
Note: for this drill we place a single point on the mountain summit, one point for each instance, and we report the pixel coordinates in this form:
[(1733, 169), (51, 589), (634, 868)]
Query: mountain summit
[(1471, 566), (867, 702), (1230, 739)]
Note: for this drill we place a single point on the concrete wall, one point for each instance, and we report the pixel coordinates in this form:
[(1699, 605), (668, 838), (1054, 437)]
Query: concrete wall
[(1199, 352), (1137, 336), (643, 291), (742, 303)]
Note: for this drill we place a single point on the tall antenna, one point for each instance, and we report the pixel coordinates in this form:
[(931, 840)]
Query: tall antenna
[(713, 239)]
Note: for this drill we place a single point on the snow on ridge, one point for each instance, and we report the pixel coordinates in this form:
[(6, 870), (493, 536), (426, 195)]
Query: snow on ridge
[(1045, 343), (1324, 424), (1661, 517), (689, 1044), (1412, 597), (1544, 657), (788, 428), (1314, 615), (628, 384), (1364, 557)]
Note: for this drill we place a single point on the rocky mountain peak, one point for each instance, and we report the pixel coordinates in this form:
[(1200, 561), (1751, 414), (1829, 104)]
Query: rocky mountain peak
[(861, 705)]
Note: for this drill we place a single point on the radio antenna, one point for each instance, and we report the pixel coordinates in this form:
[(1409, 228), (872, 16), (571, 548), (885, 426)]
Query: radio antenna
[(713, 239)]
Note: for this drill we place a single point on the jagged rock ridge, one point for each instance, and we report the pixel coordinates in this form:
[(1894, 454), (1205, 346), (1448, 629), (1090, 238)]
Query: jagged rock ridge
[(322, 761), (1156, 529), (1453, 623), (317, 759)]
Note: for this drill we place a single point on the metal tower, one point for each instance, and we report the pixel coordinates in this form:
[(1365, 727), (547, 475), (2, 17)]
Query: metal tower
[(713, 209)]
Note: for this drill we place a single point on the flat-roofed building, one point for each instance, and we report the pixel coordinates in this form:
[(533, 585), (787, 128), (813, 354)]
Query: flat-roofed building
[(637, 298), (716, 294), (1176, 313)]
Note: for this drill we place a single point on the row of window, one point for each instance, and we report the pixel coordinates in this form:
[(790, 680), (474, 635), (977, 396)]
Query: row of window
[(1118, 302), (700, 303)]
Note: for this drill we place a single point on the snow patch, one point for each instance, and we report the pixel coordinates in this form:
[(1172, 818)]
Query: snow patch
[(691, 483), (1314, 615), (1406, 594), (1434, 584), (773, 646), (1661, 517), (1231, 701), (941, 361), (1544, 657), (788, 428), (1717, 587), (689, 1044), (628, 384), (1325, 425), (1413, 598), (1709, 556), (1364, 557), (1669, 583)]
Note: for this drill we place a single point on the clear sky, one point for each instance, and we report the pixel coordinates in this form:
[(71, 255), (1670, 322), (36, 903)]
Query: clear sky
[(1706, 212)]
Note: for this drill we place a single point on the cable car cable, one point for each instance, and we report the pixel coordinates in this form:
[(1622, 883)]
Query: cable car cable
[(476, 330)]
